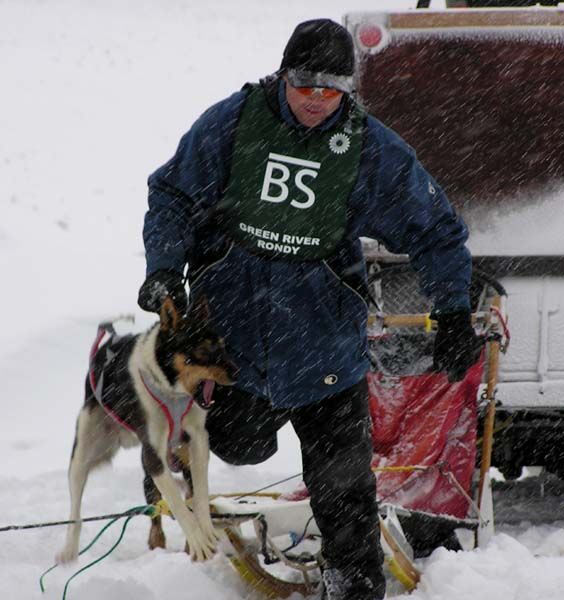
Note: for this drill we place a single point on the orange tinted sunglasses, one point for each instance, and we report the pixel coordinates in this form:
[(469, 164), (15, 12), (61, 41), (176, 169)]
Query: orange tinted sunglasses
[(326, 93)]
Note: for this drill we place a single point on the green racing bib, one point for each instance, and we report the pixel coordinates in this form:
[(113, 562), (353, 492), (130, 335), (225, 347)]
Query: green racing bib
[(287, 192)]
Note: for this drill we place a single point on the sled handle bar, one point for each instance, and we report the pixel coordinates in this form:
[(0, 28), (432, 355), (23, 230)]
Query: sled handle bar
[(419, 320)]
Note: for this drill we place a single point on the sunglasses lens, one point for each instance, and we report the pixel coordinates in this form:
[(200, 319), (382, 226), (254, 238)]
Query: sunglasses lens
[(330, 93), (325, 92), (305, 91)]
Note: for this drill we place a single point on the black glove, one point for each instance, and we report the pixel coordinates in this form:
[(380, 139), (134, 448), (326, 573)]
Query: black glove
[(158, 286), (457, 347)]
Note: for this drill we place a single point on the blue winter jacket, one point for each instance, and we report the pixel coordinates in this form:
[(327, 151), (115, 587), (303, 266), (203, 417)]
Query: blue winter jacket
[(298, 330)]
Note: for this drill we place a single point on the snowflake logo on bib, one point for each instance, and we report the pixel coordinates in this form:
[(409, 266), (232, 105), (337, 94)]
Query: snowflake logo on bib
[(339, 143)]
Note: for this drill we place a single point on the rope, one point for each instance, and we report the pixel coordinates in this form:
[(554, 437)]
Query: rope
[(450, 476), (443, 470), (506, 424), (150, 510), (71, 521), (408, 481), (101, 558), (297, 540), (268, 486), (504, 343), (132, 512)]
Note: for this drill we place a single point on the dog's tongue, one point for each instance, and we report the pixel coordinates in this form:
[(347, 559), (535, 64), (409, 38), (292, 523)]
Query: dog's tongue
[(209, 385)]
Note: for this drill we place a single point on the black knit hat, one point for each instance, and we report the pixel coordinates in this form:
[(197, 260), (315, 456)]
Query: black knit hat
[(320, 53)]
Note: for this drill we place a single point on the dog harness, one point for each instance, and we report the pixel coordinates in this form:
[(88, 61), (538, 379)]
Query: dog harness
[(175, 405)]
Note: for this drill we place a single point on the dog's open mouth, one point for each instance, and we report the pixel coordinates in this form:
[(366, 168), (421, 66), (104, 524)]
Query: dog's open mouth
[(204, 393), (206, 390)]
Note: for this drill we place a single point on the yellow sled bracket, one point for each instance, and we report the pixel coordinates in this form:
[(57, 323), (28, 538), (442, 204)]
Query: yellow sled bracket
[(398, 562)]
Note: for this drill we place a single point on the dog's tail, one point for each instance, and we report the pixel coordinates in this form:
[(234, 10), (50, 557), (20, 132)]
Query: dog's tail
[(106, 330), (109, 324)]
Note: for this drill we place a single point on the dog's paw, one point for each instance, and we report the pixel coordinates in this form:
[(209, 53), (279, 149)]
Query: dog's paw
[(212, 534), (200, 547), (66, 555), (205, 552)]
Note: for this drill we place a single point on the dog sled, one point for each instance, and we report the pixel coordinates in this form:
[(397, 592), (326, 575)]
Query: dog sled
[(425, 441)]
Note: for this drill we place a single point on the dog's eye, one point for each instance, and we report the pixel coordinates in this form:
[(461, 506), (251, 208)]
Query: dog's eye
[(202, 356)]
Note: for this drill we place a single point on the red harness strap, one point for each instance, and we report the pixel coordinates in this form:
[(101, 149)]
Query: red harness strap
[(175, 408), (103, 328)]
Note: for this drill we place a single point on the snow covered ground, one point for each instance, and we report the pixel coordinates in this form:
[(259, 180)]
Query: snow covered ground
[(95, 95)]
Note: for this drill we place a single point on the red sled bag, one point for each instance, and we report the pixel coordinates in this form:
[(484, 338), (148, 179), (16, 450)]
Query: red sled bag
[(419, 419)]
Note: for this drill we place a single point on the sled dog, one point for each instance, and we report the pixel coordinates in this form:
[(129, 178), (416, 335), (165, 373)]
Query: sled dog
[(153, 389)]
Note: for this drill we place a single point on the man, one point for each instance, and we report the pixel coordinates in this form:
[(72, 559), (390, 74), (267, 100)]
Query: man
[(265, 201)]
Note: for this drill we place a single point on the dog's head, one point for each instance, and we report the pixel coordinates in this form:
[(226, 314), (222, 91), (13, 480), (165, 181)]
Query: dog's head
[(189, 351)]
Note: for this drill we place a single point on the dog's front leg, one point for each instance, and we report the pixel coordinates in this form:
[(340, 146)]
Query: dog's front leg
[(201, 548), (200, 453)]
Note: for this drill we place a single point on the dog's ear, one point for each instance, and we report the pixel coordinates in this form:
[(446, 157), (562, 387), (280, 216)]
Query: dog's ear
[(170, 317), (200, 310)]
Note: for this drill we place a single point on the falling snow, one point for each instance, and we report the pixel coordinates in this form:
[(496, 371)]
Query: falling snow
[(95, 95)]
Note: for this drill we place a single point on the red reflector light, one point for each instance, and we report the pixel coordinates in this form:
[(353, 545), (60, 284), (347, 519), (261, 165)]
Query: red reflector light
[(370, 35)]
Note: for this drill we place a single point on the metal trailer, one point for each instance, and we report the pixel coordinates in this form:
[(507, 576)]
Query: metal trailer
[(478, 90)]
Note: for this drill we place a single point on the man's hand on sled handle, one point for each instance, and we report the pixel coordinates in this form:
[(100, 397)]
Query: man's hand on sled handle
[(160, 285), (457, 347)]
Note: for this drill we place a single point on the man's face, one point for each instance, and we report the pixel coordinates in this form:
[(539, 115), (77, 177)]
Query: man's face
[(311, 110)]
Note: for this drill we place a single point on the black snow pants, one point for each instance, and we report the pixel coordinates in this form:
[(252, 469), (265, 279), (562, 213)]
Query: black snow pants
[(336, 458)]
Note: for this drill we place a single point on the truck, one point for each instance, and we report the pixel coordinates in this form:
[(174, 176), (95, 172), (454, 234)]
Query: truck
[(477, 89)]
